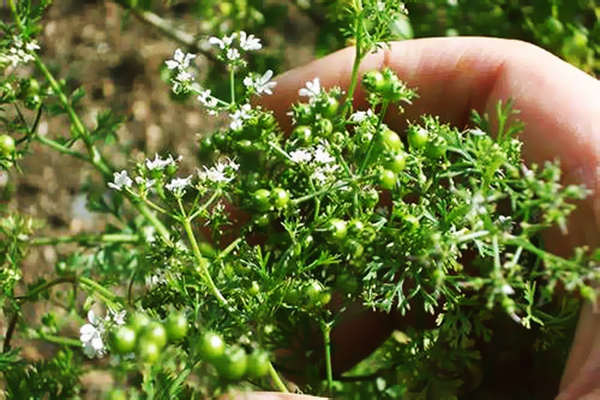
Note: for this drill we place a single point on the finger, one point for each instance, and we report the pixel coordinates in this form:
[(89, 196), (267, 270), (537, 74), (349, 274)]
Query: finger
[(582, 371)]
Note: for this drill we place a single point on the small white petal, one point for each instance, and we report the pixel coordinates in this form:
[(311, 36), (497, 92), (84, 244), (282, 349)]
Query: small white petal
[(86, 332), (97, 343), (92, 317)]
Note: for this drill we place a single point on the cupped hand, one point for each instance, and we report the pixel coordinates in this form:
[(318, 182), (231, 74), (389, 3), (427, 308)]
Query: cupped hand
[(560, 106)]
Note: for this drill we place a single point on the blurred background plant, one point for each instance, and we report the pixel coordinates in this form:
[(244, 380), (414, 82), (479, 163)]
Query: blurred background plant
[(569, 29)]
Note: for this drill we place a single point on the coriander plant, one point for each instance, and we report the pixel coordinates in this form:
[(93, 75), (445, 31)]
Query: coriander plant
[(235, 276)]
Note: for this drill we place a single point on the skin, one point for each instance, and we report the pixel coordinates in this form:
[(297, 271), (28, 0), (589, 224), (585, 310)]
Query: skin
[(560, 106)]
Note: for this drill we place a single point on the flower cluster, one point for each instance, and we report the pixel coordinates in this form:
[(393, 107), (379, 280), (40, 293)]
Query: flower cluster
[(222, 172), (239, 116), (260, 84), (158, 164), (183, 77), (20, 52), (158, 173), (311, 90), (246, 43), (321, 164), (121, 180), (92, 334), (230, 50)]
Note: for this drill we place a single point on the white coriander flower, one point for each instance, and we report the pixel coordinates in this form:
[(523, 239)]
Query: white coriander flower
[(20, 52), (206, 99), (120, 179), (312, 89), (90, 335), (148, 232), (178, 185), (507, 289), (477, 203), (147, 183), (183, 77), (158, 163), (300, 156), (229, 163), (527, 173), (222, 172), (116, 317), (249, 42), (222, 43), (156, 279), (322, 156), (477, 132), (325, 173), (215, 41), (239, 116), (261, 84), (360, 116), (233, 54), (320, 176), (32, 46), (180, 60), (214, 174)]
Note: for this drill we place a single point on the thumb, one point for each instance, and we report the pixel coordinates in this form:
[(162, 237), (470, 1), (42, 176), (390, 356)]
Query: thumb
[(582, 373)]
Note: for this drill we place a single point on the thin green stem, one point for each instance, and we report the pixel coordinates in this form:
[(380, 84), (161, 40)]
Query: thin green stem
[(105, 293), (60, 148), (327, 343), (277, 379), (149, 203), (230, 248), (384, 107), (154, 221), (59, 340), (211, 200), (280, 150), (232, 84), (542, 254), (327, 189), (471, 236), (110, 298), (358, 56), (33, 293), (13, 9), (517, 255), (95, 157), (497, 264), (130, 286), (202, 262), (86, 239)]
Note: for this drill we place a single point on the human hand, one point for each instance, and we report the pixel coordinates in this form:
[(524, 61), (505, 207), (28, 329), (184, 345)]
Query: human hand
[(560, 106)]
